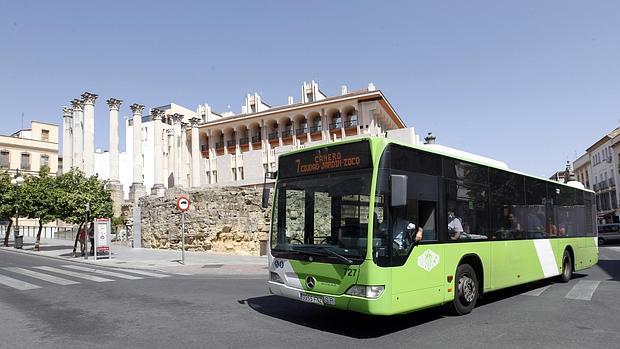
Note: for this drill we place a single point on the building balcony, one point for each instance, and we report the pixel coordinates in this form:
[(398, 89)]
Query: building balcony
[(301, 131), (350, 123), (256, 139), (219, 144), (244, 140), (314, 129), (204, 147), (335, 125), (230, 143), (273, 135), (612, 182), (287, 133)]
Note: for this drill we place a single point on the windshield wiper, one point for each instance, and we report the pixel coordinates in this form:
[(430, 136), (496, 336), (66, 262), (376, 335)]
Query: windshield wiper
[(322, 252)]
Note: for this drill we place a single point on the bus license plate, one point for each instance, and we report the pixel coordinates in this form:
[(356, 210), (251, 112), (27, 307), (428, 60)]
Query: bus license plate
[(310, 298)]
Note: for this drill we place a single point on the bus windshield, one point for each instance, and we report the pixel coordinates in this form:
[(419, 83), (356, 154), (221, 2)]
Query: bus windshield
[(322, 217)]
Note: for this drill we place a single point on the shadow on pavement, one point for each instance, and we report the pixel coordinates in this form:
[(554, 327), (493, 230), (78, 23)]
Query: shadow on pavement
[(611, 267), (340, 322)]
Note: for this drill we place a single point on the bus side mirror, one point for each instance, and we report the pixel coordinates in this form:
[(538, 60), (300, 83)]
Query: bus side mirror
[(398, 190)]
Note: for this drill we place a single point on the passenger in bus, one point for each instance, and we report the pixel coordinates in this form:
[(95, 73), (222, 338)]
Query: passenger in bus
[(455, 228), (406, 235)]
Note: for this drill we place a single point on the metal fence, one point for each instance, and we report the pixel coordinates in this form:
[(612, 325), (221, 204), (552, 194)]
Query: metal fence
[(63, 233)]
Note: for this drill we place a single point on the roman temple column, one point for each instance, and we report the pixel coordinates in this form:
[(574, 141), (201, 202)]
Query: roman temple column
[(196, 156), (184, 155), (137, 189), (67, 139), (78, 134), (89, 133), (114, 184), (176, 119), (158, 154)]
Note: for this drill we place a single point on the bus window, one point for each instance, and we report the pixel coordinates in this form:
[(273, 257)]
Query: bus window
[(467, 212), (507, 195), (534, 209)]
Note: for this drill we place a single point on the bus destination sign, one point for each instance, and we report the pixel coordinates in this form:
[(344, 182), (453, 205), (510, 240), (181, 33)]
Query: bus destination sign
[(336, 158)]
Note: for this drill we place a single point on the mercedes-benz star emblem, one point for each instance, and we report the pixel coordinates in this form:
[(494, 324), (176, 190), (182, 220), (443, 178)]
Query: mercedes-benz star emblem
[(310, 281)]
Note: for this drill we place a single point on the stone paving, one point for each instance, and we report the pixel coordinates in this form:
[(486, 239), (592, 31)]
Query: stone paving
[(153, 259)]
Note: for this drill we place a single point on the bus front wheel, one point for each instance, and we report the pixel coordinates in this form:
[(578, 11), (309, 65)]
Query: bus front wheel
[(567, 267), (466, 290)]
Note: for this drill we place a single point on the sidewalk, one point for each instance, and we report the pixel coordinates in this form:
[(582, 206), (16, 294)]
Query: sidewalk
[(152, 259)]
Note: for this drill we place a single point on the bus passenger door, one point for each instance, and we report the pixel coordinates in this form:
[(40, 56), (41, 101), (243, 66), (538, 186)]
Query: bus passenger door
[(418, 268)]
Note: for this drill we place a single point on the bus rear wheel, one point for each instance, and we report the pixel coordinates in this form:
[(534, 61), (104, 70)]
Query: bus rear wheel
[(567, 268), (466, 290)]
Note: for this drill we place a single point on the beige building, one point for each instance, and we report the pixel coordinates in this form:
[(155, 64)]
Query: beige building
[(30, 149)]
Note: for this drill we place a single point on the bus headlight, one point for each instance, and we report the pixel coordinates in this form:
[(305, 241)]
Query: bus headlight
[(365, 291), (275, 278)]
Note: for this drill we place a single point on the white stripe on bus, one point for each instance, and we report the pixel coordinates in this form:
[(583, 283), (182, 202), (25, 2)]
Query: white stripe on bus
[(74, 274), (45, 277), (583, 290), (18, 284), (546, 257)]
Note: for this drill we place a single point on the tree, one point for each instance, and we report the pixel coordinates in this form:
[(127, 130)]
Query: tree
[(74, 191), (38, 196), (7, 202)]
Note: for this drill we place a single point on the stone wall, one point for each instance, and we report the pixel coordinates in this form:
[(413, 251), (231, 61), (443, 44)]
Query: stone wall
[(229, 220)]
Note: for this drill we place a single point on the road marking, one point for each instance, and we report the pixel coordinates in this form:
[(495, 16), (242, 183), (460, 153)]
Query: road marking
[(103, 272), (74, 274), (536, 292), (583, 290), (142, 272), (45, 277), (18, 284)]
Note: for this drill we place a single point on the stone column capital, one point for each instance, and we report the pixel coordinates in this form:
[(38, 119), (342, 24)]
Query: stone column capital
[(114, 103), (136, 108), (89, 98), (184, 126), (77, 104), (194, 122), (176, 118), (157, 114), (67, 112), (170, 132)]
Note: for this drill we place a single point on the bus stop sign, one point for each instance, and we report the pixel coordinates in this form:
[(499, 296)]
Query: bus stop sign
[(183, 203)]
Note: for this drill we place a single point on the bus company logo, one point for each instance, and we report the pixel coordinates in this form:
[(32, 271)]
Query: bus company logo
[(310, 282), (428, 260)]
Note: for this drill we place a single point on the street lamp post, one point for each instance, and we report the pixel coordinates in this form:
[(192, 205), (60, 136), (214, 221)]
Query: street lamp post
[(17, 181)]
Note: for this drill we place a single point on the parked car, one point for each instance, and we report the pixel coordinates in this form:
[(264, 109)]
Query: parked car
[(608, 233)]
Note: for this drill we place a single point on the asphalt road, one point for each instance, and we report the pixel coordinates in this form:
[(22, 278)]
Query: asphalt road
[(218, 311)]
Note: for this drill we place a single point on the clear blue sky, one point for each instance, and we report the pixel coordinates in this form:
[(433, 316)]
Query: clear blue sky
[(528, 82)]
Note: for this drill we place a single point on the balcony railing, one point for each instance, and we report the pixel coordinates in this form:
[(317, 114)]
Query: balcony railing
[(230, 143), (335, 125), (256, 139), (244, 140), (273, 135), (301, 131), (612, 182), (287, 133), (204, 147), (219, 144), (315, 129), (350, 123)]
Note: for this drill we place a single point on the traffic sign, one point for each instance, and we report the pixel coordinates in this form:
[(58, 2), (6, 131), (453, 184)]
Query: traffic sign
[(183, 203)]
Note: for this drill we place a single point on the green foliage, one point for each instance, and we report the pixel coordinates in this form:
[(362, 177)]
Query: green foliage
[(37, 197), (7, 196), (74, 190)]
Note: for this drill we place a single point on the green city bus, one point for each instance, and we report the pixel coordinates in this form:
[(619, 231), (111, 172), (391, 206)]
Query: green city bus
[(346, 215)]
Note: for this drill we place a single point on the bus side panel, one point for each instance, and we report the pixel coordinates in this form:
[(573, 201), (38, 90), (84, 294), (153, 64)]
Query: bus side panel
[(519, 261), (371, 274), (419, 282), (454, 252), (589, 252)]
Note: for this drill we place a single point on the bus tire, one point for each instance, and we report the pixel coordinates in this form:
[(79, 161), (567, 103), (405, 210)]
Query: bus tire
[(466, 290), (567, 268)]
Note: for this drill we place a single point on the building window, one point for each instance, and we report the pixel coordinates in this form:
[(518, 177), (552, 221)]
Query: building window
[(240, 172), (214, 176), (45, 135), (45, 160), (234, 170), (25, 162), (5, 159)]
